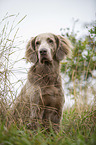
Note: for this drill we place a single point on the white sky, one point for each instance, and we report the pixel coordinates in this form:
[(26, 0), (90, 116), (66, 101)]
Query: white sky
[(47, 16)]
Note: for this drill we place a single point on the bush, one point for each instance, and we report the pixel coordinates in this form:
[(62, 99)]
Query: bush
[(81, 67)]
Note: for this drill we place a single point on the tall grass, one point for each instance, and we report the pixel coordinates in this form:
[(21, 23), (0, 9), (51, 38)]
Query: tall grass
[(78, 123), (78, 128), (9, 46)]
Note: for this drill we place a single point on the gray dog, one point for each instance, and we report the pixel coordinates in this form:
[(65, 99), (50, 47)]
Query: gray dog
[(41, 99)]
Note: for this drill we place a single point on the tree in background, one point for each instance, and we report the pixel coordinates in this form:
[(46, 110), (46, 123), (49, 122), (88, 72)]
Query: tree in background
[(81, 67)]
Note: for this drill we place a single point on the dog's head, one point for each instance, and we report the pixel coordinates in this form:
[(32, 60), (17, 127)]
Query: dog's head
[(46, 48)]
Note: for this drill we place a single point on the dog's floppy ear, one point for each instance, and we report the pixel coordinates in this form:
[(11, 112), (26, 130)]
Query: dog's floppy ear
[(63, 47), (31, 54)]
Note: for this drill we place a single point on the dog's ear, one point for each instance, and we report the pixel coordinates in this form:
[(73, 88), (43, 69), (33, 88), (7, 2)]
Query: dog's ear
[(31, 54), (63, 47)]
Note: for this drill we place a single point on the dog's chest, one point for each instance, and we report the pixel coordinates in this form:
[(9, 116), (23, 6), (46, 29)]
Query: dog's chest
[(43, 76)]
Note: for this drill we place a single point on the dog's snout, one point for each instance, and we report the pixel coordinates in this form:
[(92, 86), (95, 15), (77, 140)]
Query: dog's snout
[(43, 51)]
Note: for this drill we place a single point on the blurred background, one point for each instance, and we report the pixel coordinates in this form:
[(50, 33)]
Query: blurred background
[(75, 19), (48, 15)]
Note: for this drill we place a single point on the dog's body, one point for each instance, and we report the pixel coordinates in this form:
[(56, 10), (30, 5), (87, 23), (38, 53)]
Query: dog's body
[(42, 99)]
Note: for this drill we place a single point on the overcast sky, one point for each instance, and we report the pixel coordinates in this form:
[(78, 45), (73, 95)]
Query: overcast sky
[(48, 15)]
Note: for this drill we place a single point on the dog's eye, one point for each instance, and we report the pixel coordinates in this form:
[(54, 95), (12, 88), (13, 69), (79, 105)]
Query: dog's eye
[(38, 43), (50, 40)]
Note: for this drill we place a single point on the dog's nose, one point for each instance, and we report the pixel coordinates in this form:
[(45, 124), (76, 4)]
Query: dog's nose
[(43, 51)]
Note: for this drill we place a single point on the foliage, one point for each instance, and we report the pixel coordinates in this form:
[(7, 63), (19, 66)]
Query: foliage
[(78, 128), (80, 69), (83, 59)]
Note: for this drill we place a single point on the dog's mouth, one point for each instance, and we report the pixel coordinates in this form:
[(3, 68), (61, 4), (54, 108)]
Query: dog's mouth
[(45, 60)]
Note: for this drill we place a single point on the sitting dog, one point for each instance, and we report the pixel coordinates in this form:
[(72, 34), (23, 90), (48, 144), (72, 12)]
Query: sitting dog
[(41, 99)]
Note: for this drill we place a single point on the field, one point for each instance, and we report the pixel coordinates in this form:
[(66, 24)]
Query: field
[(78, 128)]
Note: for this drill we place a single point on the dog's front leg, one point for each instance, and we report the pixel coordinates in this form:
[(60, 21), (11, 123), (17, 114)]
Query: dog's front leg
[(35, 108)]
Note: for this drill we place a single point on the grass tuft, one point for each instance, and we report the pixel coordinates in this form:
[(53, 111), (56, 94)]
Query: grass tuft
[(77, 128)]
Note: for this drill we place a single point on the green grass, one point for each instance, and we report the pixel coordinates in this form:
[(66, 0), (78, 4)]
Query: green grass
[(78, 128)]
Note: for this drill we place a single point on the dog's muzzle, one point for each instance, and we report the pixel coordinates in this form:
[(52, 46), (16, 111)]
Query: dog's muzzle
[(43, 55)]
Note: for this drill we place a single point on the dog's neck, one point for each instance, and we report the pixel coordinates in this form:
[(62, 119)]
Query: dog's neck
[(46, 68), (44, 73)]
